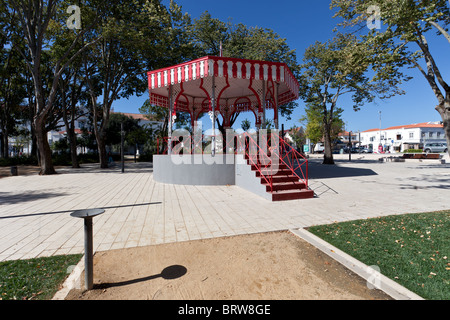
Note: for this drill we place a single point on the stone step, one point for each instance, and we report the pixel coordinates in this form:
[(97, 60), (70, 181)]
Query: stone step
[(286, 195)]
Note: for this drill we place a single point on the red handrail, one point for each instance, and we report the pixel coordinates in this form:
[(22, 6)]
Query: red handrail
[(260, 167), (287, 155), (291, 158)]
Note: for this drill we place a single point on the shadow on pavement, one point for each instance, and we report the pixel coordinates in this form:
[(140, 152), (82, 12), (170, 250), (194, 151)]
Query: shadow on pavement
[(14, 198), (321, 171), (70, 211)]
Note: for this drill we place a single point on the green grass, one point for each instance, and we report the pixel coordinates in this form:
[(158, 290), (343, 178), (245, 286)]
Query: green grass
[(412, 250), (36, 279)]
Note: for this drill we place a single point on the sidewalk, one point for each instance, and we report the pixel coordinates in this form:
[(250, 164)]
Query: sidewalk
[(35, 211)]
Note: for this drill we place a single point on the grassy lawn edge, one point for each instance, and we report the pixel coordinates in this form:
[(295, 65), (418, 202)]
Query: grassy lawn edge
[(35, 279), (410, 249)]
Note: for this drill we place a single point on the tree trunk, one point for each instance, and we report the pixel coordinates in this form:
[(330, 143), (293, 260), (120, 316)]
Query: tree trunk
[(444, 111), (45, 154), (101, 146), (73, 148), (328, 153), (5, 144), (70, 125)]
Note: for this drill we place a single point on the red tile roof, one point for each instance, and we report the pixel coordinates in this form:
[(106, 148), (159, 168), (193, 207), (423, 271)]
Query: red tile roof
[(411, 126), (372, 130), (77, 131), (135, 116)]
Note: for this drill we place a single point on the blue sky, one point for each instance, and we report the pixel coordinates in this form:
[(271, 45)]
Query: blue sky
[(302, 22)]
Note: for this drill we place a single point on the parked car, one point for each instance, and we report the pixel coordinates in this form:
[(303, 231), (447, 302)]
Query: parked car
[(358, 150), (435, 148), (353, 149), (319, 148), (367, 150)]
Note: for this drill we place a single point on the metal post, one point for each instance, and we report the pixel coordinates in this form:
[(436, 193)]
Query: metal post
[(380, 129), (350, 146), (88, 216), (213, 102), (359, 142), (122, 152), (277, 87), (170, 127), (89, 254), (264, 124)]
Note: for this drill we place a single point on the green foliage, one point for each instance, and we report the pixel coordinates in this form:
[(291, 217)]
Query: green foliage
[(243, 42), (245, 125), (298, 136), (314, 120), (113, 132), (413, 151), (335, 68), (18, 161), (407, 24)]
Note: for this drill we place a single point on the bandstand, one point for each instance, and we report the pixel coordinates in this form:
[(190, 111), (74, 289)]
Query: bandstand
[(223, 86)]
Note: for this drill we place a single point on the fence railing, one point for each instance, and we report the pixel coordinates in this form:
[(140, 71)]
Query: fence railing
[(265, 157)]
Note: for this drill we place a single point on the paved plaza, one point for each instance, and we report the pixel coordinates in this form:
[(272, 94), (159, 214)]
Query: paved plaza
[(35, 211)]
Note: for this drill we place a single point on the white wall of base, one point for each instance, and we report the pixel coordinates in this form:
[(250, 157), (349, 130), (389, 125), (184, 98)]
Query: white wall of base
[(197, 170)]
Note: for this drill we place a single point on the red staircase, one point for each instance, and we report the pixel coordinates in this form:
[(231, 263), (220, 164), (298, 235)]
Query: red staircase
[(283, 185), (286, 181)]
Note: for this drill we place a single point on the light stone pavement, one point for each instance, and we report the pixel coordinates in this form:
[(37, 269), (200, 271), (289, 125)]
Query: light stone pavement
[(35, 211)]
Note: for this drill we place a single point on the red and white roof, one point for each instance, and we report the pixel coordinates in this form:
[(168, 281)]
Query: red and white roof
[(436, 125), (238, 84)]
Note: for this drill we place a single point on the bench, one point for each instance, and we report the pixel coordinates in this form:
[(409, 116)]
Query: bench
[(422, 156)]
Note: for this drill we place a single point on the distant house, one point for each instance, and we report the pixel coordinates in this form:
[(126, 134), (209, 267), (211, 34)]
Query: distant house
[(344, 138), (290, 134), (401, 138), (22, 145), (143, 120)]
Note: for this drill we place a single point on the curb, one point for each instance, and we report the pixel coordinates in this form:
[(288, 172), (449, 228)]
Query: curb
[(374, 278), (72, 282)]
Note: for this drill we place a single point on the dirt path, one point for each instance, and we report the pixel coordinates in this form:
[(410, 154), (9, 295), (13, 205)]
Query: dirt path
[(270, 266)]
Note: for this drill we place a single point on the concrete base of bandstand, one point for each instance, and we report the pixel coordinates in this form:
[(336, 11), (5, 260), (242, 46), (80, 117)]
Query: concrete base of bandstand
[(196, 170)]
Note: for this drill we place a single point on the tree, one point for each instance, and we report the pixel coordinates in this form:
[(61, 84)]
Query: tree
[(298, 137), (112, 67), (33, 19), (12, 95), (408, 24), (245, 125), (12, 77), (113, 131), (208, 33), (160, 114), (242, 42), (336, 68), (135, 39), (314, 119), (71, 96)]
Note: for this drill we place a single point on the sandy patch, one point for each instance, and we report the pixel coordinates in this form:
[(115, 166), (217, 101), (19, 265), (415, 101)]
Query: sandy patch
[(270, 266)]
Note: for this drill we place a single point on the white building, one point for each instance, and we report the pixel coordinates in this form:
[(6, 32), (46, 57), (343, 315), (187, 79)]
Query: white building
[(22, 145), (401, 138)]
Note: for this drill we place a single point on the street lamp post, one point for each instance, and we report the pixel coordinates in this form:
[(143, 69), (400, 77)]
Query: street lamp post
[(122, 152), (350, 146), (381, 144)]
